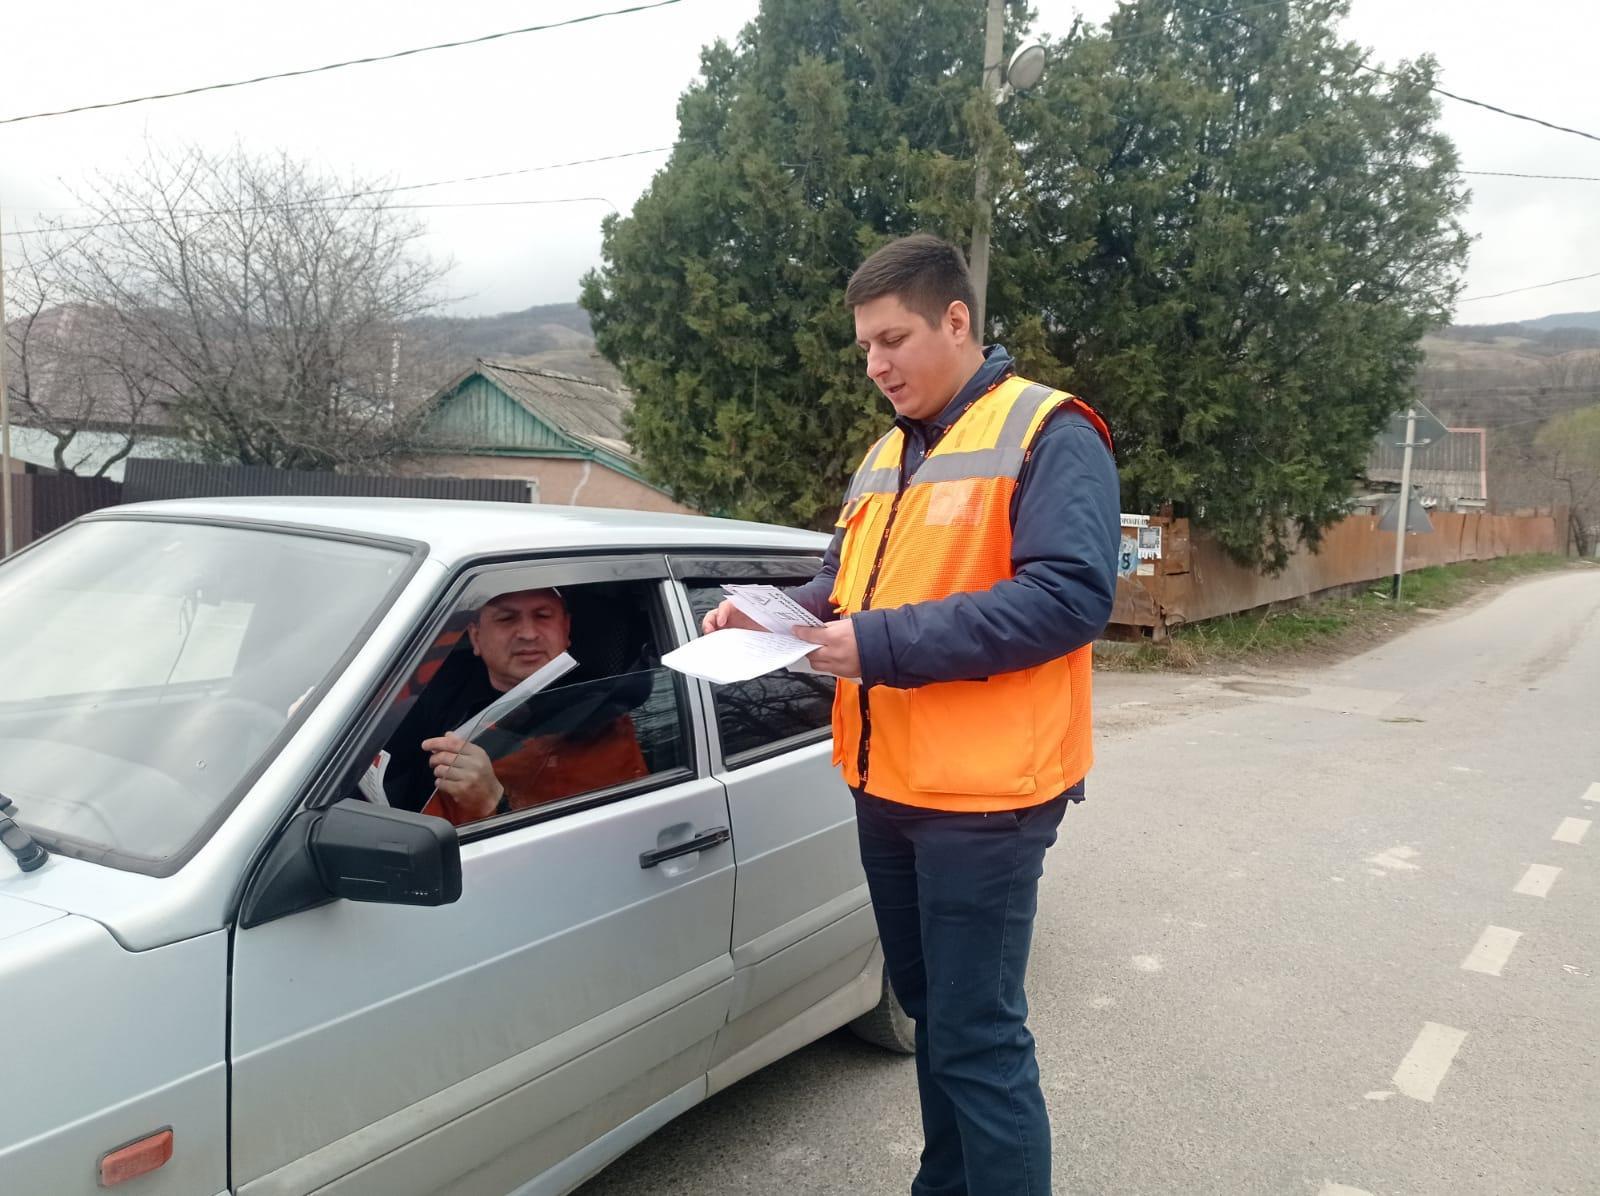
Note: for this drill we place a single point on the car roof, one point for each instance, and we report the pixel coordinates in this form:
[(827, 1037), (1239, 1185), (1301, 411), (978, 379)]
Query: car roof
[(456, 530)]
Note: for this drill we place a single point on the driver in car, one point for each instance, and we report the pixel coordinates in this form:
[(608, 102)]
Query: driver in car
[(549, 748)]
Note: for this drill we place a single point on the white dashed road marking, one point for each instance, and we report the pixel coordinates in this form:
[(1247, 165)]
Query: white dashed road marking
[(1536, 881), (1492, 951), (1423, 1069), (1329, 1188), (1396, 859), (1593, 792), (1572, 830)]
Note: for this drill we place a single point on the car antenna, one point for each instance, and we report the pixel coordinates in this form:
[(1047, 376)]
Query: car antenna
[(29, 853)]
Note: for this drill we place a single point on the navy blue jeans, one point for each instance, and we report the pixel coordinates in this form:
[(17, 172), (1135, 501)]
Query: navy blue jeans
[(955, 896)]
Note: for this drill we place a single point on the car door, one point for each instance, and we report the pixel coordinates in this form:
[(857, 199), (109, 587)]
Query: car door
[(802, 923), (576, 986)]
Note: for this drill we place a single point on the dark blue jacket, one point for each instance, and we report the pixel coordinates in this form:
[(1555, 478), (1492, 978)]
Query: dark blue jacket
[(1066, 524)]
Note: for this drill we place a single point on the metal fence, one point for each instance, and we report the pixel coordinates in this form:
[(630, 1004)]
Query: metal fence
[(148, 480), (43, 502), (1193, 579)]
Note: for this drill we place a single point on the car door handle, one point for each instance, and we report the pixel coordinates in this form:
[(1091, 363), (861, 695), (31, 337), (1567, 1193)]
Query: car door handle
[(710, 838)]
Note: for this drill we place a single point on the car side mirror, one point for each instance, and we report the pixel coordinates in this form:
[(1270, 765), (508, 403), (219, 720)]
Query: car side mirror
[(360, 852), (366, 852)]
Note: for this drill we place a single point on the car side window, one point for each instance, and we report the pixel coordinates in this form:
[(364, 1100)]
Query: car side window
[(778, 710), (468, 745)]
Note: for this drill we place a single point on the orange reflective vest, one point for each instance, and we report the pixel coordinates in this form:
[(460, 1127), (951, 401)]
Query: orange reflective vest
[(1013, 740)]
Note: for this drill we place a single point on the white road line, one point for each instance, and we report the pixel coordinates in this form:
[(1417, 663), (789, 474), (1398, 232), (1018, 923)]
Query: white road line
[(1593, 792), (1329, 1188), (1492, 951), (1536, 881), (1423, 1069), (1572, 830)]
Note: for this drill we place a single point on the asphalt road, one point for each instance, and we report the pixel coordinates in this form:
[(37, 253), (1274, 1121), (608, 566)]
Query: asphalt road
[(1251, 966)]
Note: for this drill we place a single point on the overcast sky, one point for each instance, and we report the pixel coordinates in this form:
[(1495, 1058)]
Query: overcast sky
[(611, 87)]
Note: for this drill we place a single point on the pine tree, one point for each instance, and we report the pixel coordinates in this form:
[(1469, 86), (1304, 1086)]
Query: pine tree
[(1220, 230)]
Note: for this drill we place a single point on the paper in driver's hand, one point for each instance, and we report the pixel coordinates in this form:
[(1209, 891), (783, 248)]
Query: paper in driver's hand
[(546, 675), (371, 782), (734, 654)]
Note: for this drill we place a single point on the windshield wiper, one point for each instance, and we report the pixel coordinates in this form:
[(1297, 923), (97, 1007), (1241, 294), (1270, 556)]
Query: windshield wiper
[(29, 854)]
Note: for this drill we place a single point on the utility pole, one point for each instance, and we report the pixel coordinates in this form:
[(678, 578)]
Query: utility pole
[(8, 514), (994, 31), (1403, 510)]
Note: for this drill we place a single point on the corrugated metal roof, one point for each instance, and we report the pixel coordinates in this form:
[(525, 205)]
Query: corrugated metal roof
[(1450, 468), (88, 451), (580, 407)]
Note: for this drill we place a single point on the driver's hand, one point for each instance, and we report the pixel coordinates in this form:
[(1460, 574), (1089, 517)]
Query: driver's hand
[(727, 615), (463, 773)]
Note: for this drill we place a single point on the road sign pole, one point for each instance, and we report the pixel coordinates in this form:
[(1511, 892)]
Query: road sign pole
[(1405, 502)]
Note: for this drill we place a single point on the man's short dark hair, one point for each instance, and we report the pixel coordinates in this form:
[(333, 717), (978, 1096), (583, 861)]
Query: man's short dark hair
[(923, 271)]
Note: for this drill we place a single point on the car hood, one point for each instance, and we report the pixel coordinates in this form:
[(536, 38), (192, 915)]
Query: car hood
[(18, 916)]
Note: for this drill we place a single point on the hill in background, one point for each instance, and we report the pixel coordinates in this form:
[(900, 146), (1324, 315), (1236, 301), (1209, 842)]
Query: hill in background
[(1571, 319), (1511, 379), (555, 336)]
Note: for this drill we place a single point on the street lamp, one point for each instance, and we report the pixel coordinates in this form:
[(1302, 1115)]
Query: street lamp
[(1024, 71)]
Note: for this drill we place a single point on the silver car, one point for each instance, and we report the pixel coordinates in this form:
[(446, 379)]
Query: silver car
[(231, 961)]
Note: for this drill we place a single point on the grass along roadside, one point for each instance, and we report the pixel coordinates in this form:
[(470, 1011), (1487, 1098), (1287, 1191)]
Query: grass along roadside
[(1322, 627)]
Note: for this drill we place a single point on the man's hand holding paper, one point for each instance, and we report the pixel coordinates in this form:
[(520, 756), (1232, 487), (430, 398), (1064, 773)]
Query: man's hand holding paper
[(836, 651), (754, 631)]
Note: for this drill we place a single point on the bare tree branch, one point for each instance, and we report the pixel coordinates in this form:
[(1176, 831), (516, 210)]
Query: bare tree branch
[(267, 313)]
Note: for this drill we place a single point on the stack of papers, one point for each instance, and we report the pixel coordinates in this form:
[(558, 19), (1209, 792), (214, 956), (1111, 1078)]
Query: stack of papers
[(734, 654)]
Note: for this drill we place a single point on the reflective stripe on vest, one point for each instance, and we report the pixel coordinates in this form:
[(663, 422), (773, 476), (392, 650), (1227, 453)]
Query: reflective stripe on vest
[(1011, 740)]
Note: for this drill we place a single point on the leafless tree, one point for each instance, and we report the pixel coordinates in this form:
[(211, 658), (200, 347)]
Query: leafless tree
[(1571, 447), (269, 303), (70, 371)]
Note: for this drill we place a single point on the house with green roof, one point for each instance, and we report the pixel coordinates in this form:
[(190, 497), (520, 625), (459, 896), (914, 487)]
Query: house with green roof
[(562, 434)]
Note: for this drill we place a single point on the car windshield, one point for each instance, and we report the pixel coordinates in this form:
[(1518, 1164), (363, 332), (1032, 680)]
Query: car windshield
[(147, 667)]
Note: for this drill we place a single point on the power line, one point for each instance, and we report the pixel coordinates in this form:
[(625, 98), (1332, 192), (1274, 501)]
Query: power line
[(523, 170), (1538, 286), (324, 199), (1515, 174), (1461, 99), (1232, 12), (323, 205), (334, 66), (489, 203), (1449, 95)]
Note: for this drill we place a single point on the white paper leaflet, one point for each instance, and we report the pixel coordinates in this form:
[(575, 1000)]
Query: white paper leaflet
[(771, 607), (734, 654), (371, 782)]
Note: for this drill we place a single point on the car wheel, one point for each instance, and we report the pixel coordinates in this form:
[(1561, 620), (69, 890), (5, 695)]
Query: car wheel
[(888, 1025)]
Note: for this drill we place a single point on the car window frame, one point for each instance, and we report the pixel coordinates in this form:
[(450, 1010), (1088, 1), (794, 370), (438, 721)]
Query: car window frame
[(701, 568), (415, 552), (465, 583)]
